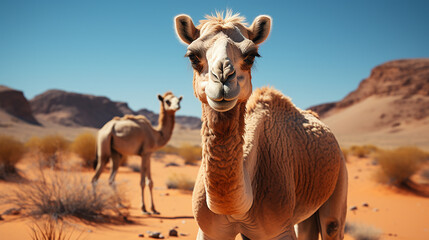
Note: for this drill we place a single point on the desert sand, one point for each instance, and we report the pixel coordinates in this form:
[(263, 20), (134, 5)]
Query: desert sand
[(398, 214)]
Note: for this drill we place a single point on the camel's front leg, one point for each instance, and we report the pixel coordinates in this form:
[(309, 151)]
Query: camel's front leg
[(149, 183), (146, 179)]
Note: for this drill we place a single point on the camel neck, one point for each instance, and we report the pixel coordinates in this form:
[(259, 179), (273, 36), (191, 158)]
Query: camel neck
[(227, 183), (165, 126)]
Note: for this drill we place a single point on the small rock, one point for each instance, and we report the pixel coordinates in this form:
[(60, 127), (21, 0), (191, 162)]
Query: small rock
[(12, 211), (375, 210), (1, 218), (156, 235), (353, 208), (365, 204), (171, 164), (183, 221), (173, 233), (184, 234), (356, 177), (141, 235)]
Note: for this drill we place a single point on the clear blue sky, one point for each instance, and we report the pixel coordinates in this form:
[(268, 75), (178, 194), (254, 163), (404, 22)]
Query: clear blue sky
[(318, 51)]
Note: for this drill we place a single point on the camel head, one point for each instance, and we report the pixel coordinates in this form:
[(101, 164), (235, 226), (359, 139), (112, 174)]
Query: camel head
[(169, 102), (222, 52)]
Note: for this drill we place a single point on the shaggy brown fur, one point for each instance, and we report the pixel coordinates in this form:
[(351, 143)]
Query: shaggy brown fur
[(267, 165)]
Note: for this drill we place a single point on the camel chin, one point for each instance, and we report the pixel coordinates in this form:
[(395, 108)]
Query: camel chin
[(222, 106)]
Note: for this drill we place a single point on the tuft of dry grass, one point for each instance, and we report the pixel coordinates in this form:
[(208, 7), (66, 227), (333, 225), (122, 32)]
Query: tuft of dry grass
[(191, 154), (346, 153), (61, 194), (363, 151), (180, 181), (398, 165), (168, 149), (49, 149), (51, 230), (85, 147), (361, 231), (11, 152)]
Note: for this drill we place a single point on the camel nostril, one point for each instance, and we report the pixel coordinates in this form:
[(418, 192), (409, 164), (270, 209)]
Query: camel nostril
[(222, 71)]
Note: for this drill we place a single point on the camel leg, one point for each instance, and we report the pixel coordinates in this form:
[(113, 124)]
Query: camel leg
[(116, 158), (143, 172), (149, 183), (332, 214), (102, 161), (309, 228)]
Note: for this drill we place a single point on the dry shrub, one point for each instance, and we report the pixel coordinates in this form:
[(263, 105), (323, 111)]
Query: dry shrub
[(49, 149), (363, 151), (398, 165), (51, 230), (11, 151), (180, 181), (168, 149), (363, 232), (85, 147), (61, 194), (191, 154), (346, 153)]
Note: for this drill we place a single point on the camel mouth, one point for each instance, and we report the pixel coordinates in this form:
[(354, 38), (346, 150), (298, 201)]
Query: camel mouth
[(223, 105)]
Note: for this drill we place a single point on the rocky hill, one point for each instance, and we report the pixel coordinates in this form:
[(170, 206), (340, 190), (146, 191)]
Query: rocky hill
[(15, 104), (404, 78), (390, 107), (74, 109)]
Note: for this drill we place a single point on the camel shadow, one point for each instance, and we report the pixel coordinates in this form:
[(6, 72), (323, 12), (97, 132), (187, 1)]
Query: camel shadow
[(163, 217)]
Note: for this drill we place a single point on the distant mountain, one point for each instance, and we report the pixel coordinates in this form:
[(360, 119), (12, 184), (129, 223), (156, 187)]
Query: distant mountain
[(75, 109), (390, 107), (15, 104), (183, 121)]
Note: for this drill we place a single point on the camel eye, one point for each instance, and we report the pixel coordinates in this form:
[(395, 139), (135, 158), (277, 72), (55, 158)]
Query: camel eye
[(195, 61), (168, 102), (249, 59)]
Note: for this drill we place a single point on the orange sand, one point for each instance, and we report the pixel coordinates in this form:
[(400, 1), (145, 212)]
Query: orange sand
[(398, 214)]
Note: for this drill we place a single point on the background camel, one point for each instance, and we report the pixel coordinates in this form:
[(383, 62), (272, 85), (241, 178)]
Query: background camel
[(134, 135), (266, 164)]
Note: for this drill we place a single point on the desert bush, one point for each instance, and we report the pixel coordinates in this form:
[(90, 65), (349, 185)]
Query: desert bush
[(168, 149), (61, 194), (363, 151), (49, 149), (11, 151), (363, 232), (85, 147), (398, 165), (51, 230), (180, 181), (346, 153), (191, 154)]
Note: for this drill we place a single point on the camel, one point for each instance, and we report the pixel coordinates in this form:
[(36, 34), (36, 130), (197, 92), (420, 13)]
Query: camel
[(134, 135), (266, 164)]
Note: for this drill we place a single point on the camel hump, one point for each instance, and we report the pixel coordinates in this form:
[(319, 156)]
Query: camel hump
[(130, 117), (269, 98), (313, 113)]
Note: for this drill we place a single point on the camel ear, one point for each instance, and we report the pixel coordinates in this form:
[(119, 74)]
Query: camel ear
[(180, 98), (185, 29), (160, 98), (260, 29)]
